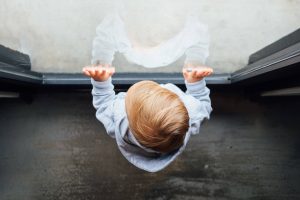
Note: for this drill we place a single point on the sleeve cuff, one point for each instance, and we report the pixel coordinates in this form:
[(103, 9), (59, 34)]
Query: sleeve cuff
[(102, 85), (196, 86)]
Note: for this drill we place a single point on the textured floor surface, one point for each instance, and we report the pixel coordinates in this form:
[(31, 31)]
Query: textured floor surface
[(54, 148)]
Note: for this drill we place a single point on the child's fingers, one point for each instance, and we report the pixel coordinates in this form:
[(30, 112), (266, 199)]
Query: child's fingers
[(210, 70), (111, 71), (103, 71), (85, 68), (185, 72), (92, 71), (87, 73), (208, 73), (199, 73), (194, 73), (204, 74), (97, 72)]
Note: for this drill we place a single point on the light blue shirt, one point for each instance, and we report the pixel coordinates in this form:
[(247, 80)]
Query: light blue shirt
[(111, 112)]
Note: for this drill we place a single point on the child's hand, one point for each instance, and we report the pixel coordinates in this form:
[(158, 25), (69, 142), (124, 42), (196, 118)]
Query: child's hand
[(193, 74), (99, 72)]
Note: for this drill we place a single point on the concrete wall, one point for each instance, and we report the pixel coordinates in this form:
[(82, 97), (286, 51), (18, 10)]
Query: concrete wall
[(58, 34)]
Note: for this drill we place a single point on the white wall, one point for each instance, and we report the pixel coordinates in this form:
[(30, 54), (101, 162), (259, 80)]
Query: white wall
[(58, 34)]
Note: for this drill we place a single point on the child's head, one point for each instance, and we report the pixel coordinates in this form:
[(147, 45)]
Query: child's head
[(157, 117)]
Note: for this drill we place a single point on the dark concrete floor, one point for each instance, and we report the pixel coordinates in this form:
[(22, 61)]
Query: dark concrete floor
[(54, 148)]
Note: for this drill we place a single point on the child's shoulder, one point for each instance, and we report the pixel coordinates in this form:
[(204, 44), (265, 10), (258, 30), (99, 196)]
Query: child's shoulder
[(172, 87), (121, 95), (119, 106), (193, 106)]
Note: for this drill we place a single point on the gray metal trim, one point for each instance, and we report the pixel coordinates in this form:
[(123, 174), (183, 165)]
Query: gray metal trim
[(278, 60), (283, 43), (27, 76), (21, 75), (129, 78), (15, 58)]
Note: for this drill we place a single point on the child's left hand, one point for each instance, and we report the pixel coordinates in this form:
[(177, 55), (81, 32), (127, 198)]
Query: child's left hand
[(194, 74), (99, 72)]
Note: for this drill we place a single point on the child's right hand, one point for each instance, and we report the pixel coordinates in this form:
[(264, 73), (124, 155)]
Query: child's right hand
[(99, 72), (193, 73)]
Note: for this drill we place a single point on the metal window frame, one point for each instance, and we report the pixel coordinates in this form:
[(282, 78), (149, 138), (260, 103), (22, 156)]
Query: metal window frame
[(129, 78), (278, 60), (276, 56), (8, 72)]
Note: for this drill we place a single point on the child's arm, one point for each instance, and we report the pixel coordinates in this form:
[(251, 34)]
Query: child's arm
[(196, 86), (103, 94)]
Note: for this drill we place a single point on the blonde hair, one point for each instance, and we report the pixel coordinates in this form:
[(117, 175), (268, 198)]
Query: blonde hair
[(157, 117)]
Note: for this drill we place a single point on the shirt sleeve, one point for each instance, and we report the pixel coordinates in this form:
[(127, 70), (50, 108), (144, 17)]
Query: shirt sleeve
[(103, 101), (202, 108)]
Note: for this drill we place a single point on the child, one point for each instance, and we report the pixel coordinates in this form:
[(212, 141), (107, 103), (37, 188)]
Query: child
[(151, 123)]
